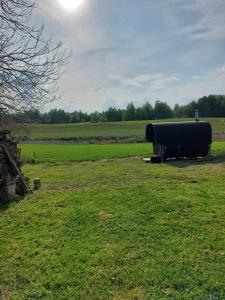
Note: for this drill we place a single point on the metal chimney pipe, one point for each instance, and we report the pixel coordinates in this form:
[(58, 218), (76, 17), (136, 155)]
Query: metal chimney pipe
[(196, 115)]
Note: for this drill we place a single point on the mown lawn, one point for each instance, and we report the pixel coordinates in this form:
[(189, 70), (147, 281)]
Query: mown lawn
[(107, 130), (117, 229), (76, 152)]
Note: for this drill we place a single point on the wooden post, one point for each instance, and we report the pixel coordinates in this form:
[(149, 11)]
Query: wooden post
[(37, 183)]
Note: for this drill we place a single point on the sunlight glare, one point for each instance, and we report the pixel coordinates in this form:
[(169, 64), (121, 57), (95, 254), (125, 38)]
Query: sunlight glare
[(70, 5)]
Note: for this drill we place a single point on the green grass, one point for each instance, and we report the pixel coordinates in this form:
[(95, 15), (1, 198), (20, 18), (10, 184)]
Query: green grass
[(74, 152), (107, 130), (70, 152), (116, 229)]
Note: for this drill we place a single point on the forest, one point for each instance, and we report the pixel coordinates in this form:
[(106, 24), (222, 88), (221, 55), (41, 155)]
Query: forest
[(209, 106)]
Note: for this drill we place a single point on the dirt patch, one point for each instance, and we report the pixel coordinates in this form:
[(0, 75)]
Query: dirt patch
[(219, 136), (84, 140), (104, 215), (62, 187), (5, 295)]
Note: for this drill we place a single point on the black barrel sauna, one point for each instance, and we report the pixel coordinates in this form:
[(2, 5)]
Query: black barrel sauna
[(180, 139)]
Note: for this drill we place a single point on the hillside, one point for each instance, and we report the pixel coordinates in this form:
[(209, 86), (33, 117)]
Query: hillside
[(133, 131)]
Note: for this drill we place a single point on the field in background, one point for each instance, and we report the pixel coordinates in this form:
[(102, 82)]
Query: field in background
[(115, 228), (69, 153), (105, 131)]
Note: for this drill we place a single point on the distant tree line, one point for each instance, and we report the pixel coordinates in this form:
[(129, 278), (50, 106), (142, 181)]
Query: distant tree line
[(209, 106)]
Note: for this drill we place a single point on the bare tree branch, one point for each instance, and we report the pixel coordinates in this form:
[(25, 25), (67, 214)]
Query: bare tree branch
[(30, 65)]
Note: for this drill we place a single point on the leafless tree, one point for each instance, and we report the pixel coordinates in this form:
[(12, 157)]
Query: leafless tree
[(30, 64)]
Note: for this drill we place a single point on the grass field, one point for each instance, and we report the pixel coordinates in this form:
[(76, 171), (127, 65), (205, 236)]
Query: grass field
[(62, 153), (115, 228), (106, 130)]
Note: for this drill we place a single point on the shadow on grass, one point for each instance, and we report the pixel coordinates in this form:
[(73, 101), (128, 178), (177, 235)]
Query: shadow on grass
[(4, 206), (183, 163)]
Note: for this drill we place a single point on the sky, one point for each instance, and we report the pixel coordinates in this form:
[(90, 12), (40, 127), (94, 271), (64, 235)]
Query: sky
[(138, 50)]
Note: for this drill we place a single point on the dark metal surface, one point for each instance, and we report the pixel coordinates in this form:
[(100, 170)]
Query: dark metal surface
[(180, 139)]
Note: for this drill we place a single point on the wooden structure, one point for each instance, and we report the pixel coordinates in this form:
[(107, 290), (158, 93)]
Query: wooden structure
[(180, 139), (12, 182)]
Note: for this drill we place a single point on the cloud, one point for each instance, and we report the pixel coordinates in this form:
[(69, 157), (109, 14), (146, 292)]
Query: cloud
[(139, 50), (221, 72), (156, 81), (204, 18)]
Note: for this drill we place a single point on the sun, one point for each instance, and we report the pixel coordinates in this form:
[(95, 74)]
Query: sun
[(71, 5)]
